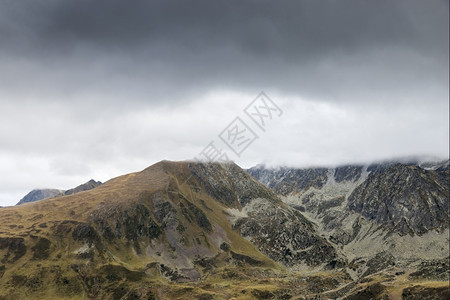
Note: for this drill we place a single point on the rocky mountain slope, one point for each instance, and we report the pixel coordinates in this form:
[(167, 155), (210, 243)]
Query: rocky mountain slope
[(408, 198), (40, 194), (378, 215)]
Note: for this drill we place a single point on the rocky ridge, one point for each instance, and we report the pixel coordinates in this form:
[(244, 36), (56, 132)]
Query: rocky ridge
[(377, 215), (41, 194)]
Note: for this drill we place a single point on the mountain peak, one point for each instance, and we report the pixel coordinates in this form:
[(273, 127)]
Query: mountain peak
[(39, 194)]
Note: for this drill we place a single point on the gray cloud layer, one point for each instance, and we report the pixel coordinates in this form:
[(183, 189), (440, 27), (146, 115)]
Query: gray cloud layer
[(168, 48), (84, 84)]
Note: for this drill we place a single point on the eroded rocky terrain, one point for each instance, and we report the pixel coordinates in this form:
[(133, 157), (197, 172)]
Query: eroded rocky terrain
[(380, 216)]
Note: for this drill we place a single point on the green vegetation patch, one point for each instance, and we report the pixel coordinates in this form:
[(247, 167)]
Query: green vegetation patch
[(116, 273), (15, 246), (41, 249)]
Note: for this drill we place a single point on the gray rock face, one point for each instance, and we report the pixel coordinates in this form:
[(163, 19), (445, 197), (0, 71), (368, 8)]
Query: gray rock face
[(408, 198), (347, 173), (229, 184), (395, 210), (280, 232), (284, 180), (402, 196), (285, 235), (36, 195)]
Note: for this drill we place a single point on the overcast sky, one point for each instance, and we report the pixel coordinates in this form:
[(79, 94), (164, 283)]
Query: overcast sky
[(96, 89)]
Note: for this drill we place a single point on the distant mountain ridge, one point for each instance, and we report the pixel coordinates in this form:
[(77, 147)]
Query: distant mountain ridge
[(41, 194)]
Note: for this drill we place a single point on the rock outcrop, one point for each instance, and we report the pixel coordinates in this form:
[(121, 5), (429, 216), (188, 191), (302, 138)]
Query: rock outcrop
[(407, 198)]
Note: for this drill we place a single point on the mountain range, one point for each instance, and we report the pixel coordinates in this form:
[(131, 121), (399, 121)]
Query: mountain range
[(179, 230)]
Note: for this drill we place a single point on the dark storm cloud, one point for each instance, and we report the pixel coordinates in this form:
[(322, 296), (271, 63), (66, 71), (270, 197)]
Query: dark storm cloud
[(153, 50)]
